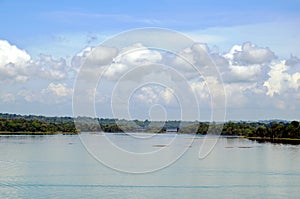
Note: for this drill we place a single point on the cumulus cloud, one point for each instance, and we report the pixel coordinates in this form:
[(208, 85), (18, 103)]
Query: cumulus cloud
[(14, 73), (137, 54), (197, 61), (201, 89), (13, 63), (101, 56), (155, 95), (78, 59), (249, 72), (51, 68), (245, 69), (111, 63), (114, 71), (133, 56), (243, 73), (280, 80), (92, 62), (11, 54), (239, 95), (292, 61), (59, 90), (249, 54), (199, 54), (29, 95), (53, 94), (16, 65), (247, 63)]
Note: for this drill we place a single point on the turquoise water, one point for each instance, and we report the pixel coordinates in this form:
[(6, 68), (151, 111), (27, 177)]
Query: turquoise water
[(59, 166)]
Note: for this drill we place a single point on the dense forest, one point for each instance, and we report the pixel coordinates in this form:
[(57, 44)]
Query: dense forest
[(25, 126), (42, 125), (271, 129)]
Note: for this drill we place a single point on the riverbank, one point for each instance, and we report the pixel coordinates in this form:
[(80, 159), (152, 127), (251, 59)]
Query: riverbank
[(36, 133), (294, 141)]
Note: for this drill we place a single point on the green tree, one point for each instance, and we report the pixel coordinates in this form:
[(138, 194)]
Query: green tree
[(262, 131)]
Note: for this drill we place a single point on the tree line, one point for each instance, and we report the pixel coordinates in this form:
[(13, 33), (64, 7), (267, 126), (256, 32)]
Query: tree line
[(272, 129), (33, 123), (34, 126)]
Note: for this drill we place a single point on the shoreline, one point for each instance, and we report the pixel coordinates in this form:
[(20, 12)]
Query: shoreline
[(293, 141), (36, 133)]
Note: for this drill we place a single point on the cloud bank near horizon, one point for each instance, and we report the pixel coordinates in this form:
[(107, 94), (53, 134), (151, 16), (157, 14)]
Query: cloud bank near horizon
[(257, 83)]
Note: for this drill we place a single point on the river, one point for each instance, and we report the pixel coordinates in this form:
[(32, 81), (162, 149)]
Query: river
[(68, 166)]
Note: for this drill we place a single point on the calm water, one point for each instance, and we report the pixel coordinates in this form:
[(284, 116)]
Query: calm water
[(60, 167)]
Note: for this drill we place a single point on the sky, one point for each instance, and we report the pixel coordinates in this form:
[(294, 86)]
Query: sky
[(253, 44)]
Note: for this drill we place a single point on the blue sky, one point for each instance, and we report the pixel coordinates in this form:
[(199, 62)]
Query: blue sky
[(30, 24), (53, 32)]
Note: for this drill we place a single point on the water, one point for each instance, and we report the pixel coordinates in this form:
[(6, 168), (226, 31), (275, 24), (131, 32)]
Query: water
[(59, 166)]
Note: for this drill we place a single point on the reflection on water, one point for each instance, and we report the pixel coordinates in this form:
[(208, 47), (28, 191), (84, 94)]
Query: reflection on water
[(60, 167)]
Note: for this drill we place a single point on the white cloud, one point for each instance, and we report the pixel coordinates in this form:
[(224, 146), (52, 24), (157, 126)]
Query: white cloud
[(59, 90), (210, 91), (91, 62), (201, 89), (252, 54), (80, 57), (292, 61), (280, 80), (114, 71), (147, 95), (198, 60), (234, 49), (133, 56), (16, 65), (29, 95), (252, 76), (167, 95), (243, 73), (51, 68), (101, 56), (197, 54), (155, 95), (13, 63), (247, 63), (138, 54), (237, 94), (111, 62), (53, 94), (11, 54)]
